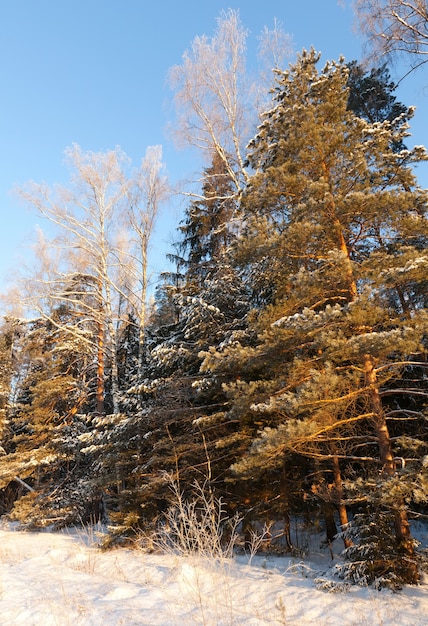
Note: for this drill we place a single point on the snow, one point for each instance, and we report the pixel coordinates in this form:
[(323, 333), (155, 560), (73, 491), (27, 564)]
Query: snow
[(61, 579)]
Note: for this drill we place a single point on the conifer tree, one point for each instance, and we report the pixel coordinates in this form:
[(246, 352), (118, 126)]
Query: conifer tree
[(42, 447), (7, 492), (207, 229), (6, 373), (371, 93), (334, 220), (198, 306)]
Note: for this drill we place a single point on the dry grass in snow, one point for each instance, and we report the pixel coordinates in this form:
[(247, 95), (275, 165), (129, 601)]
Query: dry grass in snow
[(62, 579)]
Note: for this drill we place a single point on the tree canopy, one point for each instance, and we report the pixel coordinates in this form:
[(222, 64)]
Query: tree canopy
[(283, 358)]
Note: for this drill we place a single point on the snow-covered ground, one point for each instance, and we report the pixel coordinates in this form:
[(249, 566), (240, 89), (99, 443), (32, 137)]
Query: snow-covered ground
[(61, 579)]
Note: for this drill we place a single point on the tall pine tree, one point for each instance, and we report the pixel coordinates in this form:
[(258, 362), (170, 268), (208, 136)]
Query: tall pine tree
[(334, 224)]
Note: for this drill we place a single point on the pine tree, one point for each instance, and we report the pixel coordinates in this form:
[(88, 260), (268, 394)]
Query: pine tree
[(371, 94), (334, 220), (7, 491), (44, 427)]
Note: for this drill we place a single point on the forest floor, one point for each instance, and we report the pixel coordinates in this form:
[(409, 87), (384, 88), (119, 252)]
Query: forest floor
[(63, 579)]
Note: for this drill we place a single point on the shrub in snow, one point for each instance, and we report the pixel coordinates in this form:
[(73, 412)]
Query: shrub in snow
[(198, 524)]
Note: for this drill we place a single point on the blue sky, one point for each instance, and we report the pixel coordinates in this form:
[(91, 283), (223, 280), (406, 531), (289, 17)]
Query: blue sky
[(93, 72)]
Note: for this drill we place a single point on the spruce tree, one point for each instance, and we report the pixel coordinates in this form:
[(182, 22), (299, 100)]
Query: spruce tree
[(179, 421)]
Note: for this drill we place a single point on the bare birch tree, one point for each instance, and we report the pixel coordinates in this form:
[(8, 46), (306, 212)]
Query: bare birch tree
[(395, 28), (215, 98), (90, 215), (275, 46), (148, 190)]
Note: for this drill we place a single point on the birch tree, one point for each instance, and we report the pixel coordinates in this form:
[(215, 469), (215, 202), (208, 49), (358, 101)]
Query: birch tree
[(148, 191), (215, 96), (395, 28), (89, 216)]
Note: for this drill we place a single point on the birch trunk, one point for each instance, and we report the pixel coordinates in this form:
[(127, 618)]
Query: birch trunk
[(100, 406)]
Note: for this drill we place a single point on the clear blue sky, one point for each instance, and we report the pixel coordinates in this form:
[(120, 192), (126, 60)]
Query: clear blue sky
[(93, 72)]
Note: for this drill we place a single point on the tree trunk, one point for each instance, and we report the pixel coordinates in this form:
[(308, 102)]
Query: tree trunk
[(330, 524), (114, 369), (100, 408), (343, 247), (341, 507), (287, 524), (143, 305), (401, 522)]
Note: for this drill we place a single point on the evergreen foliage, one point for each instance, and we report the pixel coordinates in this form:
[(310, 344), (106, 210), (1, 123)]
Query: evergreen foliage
[(43, 429), (372, 558), (332, 216), (283, 361), (180, 417)]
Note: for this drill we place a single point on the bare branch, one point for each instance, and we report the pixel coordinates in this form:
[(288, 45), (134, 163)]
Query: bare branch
[(394, 28)]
